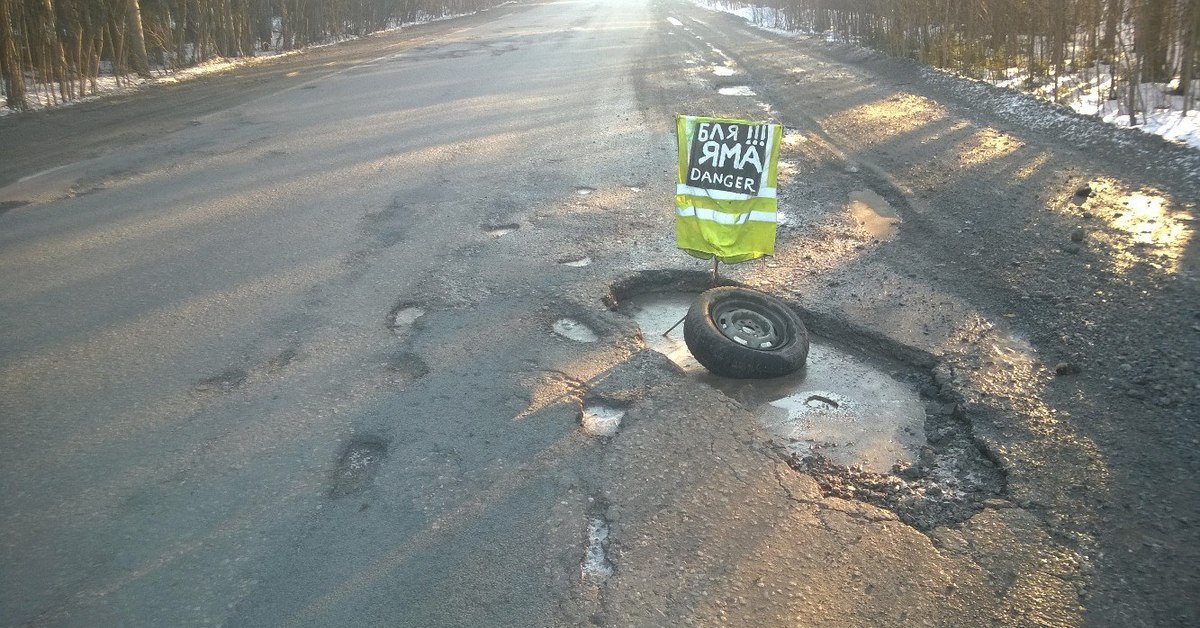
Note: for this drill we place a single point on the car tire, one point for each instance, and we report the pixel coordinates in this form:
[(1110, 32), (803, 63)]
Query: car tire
[(745, 334)]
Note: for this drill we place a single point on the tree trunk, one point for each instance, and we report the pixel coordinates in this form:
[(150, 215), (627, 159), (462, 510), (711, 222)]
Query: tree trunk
[(1150, 40), (10, 64), (1112, 22), (137, 37), (1188, 60)]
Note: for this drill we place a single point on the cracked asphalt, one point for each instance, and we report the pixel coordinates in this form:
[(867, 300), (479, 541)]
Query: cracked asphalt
[(279, 343)]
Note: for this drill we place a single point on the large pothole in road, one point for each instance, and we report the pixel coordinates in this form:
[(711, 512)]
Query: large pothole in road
[(838, 406), (867, 427)]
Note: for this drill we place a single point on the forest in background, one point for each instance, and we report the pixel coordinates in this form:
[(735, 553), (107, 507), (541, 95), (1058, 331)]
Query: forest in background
[(63, 47), (1121, 44), (1057, 48)]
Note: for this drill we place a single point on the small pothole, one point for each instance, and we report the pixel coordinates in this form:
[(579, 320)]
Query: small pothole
[(224, 381), (596, 566), (7, 205), (724, 70), (357, 466), (601, 420), (404, 316), (500, 230), (874, 214), (584, 191), (576, 262), (406, 367), (572, 329), (737, 90)]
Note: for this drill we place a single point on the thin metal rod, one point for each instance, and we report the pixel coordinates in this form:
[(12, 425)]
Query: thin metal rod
[(716, 273), (674, 326)]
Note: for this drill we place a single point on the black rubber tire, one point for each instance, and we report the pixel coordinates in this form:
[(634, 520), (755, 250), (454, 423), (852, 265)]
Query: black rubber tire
[(722, 355)]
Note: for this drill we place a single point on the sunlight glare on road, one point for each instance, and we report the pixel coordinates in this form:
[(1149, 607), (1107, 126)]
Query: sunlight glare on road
[(1033, 166), (986, 145), (890, 117), (1148, 226)]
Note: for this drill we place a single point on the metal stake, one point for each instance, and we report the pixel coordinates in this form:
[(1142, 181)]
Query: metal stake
[(674, 326), (715, 279)]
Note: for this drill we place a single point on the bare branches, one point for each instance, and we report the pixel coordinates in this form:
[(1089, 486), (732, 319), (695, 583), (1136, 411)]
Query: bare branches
[(1044, 40), (64, 46)]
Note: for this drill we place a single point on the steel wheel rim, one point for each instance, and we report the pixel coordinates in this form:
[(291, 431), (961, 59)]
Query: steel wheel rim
[(750, 327)]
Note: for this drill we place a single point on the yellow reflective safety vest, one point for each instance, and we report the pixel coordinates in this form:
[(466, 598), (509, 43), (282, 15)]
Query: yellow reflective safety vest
[(725, 201)]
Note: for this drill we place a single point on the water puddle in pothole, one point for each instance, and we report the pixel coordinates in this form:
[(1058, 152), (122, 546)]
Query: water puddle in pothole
[(499, 230), (850, 413), (874, 214), (737, 90), (838, 406), (724, 70), (576, 262), (584, 191), (601, 420), (572, 329)]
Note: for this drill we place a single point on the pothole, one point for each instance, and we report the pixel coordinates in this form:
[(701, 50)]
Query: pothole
[(849, 412), (224, 381), (601, 420), (737, 90), (874, 214), (837, 406), (867, 427), (596, 566), (576, 262), (357, 466), (500, 230), (7, 205), (724, 70), (404, 368), (657, 312), (584, 191), (403, 317), (572, 329)]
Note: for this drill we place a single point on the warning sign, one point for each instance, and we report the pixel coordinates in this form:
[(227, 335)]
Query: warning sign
[(725, 198), (728, 156)]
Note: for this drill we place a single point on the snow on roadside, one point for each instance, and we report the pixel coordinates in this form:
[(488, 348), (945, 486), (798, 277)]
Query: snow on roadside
[(1165, 117)]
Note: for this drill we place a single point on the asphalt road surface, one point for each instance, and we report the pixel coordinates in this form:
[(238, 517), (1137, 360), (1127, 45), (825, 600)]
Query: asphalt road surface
[(279, 348)]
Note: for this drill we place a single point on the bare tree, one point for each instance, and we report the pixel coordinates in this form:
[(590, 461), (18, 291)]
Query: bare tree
[(137, 39), (10, 63)]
